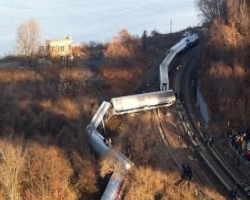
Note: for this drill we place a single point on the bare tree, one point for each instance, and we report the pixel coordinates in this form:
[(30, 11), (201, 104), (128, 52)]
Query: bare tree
[(210, 9), (27, 39)]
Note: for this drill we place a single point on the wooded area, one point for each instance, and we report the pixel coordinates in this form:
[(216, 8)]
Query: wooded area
[(224, 74)]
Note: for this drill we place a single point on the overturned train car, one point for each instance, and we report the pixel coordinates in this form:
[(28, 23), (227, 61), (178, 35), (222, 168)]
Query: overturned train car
[(101, 147), (141, 102)]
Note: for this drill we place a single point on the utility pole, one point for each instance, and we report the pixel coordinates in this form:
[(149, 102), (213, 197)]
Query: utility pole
[(170, 28)]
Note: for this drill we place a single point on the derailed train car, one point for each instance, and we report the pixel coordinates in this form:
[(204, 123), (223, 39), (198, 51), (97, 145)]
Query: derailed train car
[(99, 115), (247, 153), (164, 80), (101, 147), (129, 104), (141, 102), (97, 142), (186, 42), (115, 187)]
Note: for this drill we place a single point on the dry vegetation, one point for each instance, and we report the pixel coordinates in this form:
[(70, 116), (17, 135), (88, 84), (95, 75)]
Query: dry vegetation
[(44, 154), (146, 183), (224, 76), (155, 175), (43, 114)]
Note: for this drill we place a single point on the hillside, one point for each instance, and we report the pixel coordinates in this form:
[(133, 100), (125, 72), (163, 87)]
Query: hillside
[(224, 74), (44, 111)]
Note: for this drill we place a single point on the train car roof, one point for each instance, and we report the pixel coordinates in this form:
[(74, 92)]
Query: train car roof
[(143, 95)]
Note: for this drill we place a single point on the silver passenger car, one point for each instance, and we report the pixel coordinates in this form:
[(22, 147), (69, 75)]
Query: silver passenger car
[(141, 102)]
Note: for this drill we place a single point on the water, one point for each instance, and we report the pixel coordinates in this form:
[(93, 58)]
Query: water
[(94, 20)]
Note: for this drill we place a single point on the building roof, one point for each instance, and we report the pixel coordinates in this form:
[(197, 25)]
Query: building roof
[(67, 40)]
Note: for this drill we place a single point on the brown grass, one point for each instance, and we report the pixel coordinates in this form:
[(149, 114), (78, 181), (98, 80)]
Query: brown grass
[(30, 170), (109, 164), (11, 168), (17, 75), (43, 114), (219, 70), (124, 74), (146, 183), (75, 74), (225, 64), (63, 106), (155, 173), (41, 121)]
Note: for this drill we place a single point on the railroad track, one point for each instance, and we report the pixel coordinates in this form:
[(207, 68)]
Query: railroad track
[(174, 155), (164, 135), (217, 165), (225, 174)]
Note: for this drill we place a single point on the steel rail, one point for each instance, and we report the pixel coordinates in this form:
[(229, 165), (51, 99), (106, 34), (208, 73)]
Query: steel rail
[(220, 168)]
